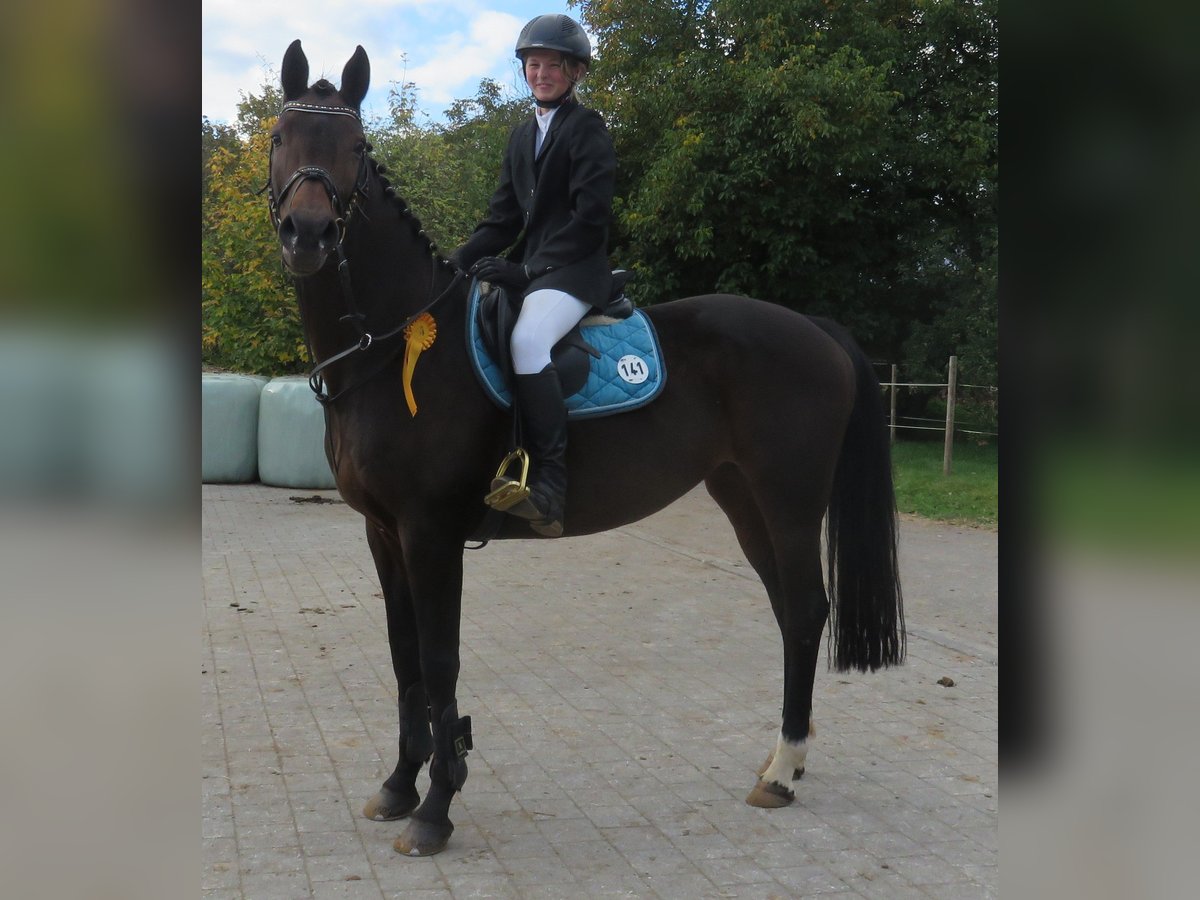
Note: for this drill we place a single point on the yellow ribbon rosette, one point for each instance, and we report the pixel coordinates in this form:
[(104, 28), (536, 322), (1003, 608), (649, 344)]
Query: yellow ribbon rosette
[(418, 336)]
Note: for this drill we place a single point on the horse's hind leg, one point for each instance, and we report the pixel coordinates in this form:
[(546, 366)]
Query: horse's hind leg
[(787, 559), (398, 796), (802, 619)]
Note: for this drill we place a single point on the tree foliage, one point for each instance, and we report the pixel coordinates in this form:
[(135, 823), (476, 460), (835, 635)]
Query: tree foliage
[(250, 319), (835, 157), (447, 173)]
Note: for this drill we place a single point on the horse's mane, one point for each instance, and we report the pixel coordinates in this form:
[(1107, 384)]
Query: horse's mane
[(401, 204)]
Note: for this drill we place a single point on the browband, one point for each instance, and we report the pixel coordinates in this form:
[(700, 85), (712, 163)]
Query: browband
[(313, 108)]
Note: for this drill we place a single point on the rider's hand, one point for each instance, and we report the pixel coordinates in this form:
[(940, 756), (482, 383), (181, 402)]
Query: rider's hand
[(501, 271)]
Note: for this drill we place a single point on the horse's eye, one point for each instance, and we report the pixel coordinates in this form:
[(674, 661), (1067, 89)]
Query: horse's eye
[(276, 140), (360, 147)]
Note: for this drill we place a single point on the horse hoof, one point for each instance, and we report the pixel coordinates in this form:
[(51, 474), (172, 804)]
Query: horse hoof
[(423, 838), (769, 795), (388, 805)]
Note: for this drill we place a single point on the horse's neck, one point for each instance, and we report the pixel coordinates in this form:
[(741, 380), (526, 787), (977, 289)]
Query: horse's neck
[(393, 274)]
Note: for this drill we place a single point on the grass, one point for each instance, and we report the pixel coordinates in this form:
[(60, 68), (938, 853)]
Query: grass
[(968, 495), (1141, 500)]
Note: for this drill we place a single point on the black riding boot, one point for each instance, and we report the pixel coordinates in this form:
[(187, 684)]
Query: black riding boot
[(544, 433)]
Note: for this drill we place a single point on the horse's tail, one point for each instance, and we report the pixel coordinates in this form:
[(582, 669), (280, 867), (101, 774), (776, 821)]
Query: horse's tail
[(866, 618)]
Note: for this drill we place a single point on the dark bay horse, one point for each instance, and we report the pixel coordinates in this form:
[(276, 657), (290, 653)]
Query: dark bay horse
[(780, 416)]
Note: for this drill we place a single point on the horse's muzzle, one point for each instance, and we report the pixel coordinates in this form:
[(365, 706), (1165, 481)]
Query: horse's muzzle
[(306, 241)]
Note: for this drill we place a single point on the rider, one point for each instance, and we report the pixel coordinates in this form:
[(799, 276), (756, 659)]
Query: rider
[(555, 194)]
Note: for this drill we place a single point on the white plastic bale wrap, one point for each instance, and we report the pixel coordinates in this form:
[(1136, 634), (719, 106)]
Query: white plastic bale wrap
[(291, 436), (229, 427)]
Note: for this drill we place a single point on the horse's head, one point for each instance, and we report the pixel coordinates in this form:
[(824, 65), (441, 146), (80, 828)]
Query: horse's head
[(318, 159)]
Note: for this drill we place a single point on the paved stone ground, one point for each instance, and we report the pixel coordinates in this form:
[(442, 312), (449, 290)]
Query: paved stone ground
[(623, 688)]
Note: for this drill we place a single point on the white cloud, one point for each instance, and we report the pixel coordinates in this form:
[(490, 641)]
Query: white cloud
[(222, 91), (458, 62), (445, 47)]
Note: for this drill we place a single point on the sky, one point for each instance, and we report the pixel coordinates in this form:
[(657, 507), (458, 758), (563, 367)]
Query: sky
[(445, 47)]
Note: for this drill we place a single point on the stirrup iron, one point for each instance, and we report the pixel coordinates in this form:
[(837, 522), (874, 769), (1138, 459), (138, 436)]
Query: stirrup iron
[(507, 491)]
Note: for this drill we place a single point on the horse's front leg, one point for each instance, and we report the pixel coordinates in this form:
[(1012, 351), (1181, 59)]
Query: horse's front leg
[(398, 796), (435, 573)]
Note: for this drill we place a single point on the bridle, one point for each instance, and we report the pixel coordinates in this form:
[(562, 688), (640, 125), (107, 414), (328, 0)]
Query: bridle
[(365, 339), (304, 173)]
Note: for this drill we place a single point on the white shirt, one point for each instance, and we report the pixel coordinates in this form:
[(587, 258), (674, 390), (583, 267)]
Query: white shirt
[(543, 123)]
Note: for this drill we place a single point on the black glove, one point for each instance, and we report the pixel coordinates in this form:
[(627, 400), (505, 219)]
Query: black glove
[(501, 271)]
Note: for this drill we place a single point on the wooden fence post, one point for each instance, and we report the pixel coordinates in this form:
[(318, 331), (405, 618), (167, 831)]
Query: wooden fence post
[(892, 420), (951, 390)]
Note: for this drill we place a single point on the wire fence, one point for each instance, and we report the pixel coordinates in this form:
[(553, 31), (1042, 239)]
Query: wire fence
[(951, 387)]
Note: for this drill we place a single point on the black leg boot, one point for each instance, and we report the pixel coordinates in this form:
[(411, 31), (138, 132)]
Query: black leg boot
[(544, 434), (398, 797)]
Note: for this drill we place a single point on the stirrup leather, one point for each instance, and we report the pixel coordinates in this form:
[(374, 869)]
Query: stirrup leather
[(507, 491)]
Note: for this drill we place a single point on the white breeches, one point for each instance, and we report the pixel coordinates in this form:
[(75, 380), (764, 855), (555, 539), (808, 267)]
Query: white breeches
[(546, 316)]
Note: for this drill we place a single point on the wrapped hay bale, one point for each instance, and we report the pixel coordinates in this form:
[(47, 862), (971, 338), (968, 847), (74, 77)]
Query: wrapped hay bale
[(291, 436), (229, 427)]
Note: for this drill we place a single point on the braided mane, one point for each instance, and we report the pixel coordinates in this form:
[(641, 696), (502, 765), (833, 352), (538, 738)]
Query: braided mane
[(405, 210)]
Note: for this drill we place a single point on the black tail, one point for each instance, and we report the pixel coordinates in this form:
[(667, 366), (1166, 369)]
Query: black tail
[(866, 617)]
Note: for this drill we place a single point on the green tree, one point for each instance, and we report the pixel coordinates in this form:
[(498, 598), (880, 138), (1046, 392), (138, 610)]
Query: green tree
[(257, 111), (838, 158), (214, 136), (447, 173), (250, 321), (419, 165), (476, 134)]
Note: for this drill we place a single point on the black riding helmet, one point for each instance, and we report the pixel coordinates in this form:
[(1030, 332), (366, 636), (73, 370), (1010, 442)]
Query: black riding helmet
[(554, 32)]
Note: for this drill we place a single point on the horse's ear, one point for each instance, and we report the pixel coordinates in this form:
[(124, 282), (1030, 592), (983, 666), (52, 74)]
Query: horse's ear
[(294, 74), (355, 78)]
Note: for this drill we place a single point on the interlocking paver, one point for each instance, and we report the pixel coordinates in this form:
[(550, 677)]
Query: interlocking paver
[(623, 687)]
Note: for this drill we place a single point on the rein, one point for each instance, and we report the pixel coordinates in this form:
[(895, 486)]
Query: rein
[(366, 340)]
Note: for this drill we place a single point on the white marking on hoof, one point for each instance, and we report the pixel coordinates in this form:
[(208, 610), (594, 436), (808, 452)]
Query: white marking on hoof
[(787, 759)]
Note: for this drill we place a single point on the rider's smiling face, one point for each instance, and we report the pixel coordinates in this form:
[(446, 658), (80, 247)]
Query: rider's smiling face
[(546, 74)]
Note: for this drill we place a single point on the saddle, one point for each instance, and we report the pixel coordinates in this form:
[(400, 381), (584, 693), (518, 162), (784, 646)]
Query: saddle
[(497, 317)]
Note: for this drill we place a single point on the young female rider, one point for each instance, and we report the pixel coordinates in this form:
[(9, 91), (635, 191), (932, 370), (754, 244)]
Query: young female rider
[(555, 195)]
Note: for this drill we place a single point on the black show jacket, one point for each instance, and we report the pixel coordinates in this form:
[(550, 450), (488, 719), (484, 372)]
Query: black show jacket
[(559, 205)]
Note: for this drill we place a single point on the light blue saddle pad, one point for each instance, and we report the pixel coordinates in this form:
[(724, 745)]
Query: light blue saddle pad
[(628, 374)]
